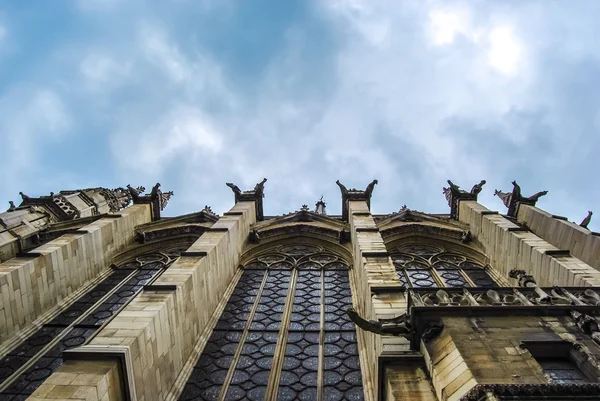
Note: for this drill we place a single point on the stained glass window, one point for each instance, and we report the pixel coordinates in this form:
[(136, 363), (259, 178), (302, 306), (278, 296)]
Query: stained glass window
[(283, 332), (431, 266), (24, 368)]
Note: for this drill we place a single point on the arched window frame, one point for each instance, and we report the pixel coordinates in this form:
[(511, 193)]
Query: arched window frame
[(426, 265)]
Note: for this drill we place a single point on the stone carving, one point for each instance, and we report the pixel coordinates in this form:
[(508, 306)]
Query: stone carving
[(477, 188), (433, 330), (304, 208), (12, 206), (355, 195), (320, 207), (255, 195), (343, 188), (514, 199), (24, 197), (587, 324), (466, 237), (523, 278), (370, 187), (587, 220), (398, 326), (454, 194)]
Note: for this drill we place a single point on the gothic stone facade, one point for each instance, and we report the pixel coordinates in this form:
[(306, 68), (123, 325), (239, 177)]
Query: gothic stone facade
[(102, 299)]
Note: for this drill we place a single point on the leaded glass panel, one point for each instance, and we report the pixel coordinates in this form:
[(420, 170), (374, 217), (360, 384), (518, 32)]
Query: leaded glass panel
[(428, 266), (291, 301)]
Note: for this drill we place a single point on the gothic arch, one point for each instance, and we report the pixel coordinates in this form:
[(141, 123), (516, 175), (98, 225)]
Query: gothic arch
[(284, 330), (437, 261)]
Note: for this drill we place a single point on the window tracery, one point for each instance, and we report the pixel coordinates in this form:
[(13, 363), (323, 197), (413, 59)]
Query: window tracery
[(284, 331), (432, 266), (78, 323)]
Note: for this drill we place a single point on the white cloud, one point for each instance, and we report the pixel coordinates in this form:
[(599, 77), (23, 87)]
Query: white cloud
[(163, 54), (182, 134), (102, 69), (505, 51)]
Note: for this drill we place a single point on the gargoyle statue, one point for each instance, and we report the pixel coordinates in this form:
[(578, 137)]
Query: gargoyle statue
[(477, 188), (587, 220), (24, 197), (236, 190), (370, 187), (398, 326), (342, 188), (12, 206), (588, 324)]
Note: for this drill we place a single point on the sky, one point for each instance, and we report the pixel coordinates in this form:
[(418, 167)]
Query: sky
[(197, 93)]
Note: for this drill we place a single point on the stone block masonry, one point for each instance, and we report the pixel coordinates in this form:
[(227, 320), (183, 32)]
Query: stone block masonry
[(31, 286)]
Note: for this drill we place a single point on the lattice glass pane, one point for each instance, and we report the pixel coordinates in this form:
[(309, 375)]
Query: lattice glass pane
[(300, 367), (272, 301), (338, 298), (342, 377), (453, 278), (421, 278), (425, 251), (210, 371), (306, 310), (236, 312), (251, 374), (480, 277)]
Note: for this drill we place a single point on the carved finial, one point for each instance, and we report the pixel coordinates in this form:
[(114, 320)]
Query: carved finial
[(12, 206), (504, 196), (587, 220), (477, 188), (403, 209), (370, 187), (398, 326), (305, 208), (320, 207), (24, 197), (236, 190), (164, 199), (342, 188)]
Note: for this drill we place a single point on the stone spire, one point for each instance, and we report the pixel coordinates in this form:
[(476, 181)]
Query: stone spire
[(320, 207)]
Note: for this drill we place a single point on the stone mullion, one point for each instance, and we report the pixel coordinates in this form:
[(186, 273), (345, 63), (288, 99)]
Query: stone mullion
[(279, 353), (320, 371), (242, 341), (62, 334)]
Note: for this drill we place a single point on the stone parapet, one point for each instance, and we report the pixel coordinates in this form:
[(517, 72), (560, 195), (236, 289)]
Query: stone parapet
[(510, 246), (36, 282), (563, 234)]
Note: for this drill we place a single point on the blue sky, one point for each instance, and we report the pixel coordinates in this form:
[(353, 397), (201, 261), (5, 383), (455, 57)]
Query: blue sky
[(196, 93)]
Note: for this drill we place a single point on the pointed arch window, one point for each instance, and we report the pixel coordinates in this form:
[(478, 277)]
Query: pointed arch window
[(432, 266), (284, 333)]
